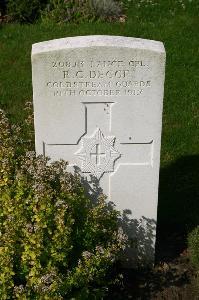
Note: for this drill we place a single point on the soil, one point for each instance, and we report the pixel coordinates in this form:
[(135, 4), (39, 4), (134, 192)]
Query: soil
[(167, 281), (172, 278)]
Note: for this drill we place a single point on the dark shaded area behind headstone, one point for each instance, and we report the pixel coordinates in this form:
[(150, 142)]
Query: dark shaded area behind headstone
[(2, 7), (178, 209)]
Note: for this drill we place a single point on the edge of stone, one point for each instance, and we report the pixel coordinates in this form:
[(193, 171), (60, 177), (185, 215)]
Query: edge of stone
[(99, 41)]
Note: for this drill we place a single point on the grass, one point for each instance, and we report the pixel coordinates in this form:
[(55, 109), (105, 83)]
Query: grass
[(177, 27)]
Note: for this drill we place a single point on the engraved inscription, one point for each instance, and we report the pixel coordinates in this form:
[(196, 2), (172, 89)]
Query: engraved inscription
[(94, 77)]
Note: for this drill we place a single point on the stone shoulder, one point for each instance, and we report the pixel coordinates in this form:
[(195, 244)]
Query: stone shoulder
[(97, 41)]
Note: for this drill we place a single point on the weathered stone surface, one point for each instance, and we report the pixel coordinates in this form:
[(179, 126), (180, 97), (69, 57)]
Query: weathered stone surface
[(98, 104)]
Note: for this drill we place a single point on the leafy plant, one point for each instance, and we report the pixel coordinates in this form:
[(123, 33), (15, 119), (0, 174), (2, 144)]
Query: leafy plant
[(54, 241)]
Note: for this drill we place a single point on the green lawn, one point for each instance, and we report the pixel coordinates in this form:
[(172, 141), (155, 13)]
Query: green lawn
[(178, 28)]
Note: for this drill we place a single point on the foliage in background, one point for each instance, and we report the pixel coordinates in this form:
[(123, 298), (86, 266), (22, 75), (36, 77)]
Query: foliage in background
[(193, 247), (60, 11), (54, 241), (193, 243), (25, 11), (106, 8)]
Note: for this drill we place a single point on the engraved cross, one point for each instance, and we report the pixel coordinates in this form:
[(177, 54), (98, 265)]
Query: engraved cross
[(97, 154)]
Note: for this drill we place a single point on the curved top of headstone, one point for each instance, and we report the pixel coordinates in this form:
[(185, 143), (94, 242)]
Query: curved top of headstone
[(99, 41)]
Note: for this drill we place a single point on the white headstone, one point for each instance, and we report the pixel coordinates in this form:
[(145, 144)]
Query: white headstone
[(98, 104)]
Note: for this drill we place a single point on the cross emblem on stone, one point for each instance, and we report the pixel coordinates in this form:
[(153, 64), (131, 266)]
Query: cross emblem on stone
[(98, 152), (99, 166)]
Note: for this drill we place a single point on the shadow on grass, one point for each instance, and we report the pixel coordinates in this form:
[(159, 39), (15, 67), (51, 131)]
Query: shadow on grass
[(178, 209)]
